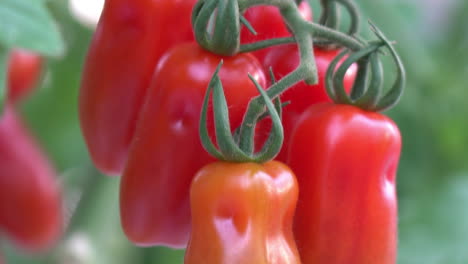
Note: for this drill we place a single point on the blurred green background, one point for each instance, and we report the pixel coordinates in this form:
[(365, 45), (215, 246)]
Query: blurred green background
[(432, 39)]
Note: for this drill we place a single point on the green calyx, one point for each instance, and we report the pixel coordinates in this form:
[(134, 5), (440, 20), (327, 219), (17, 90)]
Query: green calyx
[(228, 144), (216, 24), (367, 88), (331, 16)]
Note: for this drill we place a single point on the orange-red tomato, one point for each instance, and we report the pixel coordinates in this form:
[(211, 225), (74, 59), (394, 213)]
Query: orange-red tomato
[(30, 200), (24, 71), (243, 213), (167, 152), (345, 160)]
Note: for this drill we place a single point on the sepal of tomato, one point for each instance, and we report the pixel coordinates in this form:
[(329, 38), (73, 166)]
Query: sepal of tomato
[(129, 40), (243, 213), (24, 71), (283, 60), (268, 23), (167, 152), (30, 198), (345, 160)]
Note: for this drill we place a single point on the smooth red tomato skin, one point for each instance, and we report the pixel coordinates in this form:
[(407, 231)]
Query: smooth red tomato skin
[(24, 71), (130, 38), (345, 160), (284, 59), (166, 152), (243, 213), (30, 199), (268, 23)]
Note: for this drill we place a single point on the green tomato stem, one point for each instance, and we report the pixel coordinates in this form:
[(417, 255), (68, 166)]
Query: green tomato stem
[(265, 43), (330, 16)]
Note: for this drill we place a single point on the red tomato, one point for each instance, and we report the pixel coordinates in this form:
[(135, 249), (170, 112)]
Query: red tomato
[(284, 59), (268, 23), (129, 40), (167, 151), (243, 213), (30, 204), (345, 160), (24, 71)]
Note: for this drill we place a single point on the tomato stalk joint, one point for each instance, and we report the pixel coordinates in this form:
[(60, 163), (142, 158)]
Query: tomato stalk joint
[(229, 149)]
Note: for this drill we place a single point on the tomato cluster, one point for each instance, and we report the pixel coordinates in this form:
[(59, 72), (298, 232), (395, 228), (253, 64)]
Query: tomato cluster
[(30, 202), (141, 119)]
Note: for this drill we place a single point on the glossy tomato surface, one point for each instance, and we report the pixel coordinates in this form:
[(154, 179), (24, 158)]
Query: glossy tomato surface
[(129, 40), (284, 59), (30, 199), (345, 160), (243, 213), (268, 23), (24, 72), (167, 151)]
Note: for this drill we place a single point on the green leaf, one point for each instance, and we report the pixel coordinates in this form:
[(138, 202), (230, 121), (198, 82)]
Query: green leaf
[(3, 75), (29, 25)]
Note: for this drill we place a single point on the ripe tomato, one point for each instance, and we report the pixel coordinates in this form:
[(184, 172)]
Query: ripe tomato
[(129, 40), (24, 71), (243, 213), (30, 204), (167, 151), (284, 59), (345, 160), (268, 23)]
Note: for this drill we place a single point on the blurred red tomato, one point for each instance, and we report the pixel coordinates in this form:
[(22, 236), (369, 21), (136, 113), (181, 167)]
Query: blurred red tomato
[(30, 202), (24, 71)]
